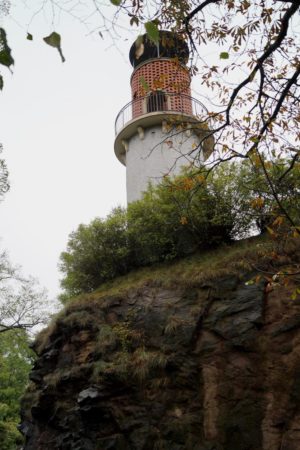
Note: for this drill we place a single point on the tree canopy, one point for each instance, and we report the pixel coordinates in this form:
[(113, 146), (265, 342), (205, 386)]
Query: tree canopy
[(15, 360), (23, 304)]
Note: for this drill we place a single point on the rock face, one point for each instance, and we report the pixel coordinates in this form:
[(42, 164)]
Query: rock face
[(212, 367)]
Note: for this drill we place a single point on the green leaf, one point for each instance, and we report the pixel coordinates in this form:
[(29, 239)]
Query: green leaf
[(1, 82), (152, 31), (5, 53), (144, 84), (29, 37), (54, 40), (294, 295), (224, 55), (116, 2)]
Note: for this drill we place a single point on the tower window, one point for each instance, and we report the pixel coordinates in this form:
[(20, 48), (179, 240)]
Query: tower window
[(156, 101)]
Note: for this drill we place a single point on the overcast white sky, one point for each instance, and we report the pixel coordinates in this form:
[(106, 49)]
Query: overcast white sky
[(57, 129)]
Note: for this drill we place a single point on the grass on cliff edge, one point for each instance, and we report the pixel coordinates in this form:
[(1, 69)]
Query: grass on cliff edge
[(238, 258), (204, 266)]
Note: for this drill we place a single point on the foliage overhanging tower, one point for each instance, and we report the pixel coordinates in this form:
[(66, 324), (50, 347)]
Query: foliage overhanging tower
[(159, 131)]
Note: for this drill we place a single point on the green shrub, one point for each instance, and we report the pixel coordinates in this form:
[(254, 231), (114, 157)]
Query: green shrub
[(95, 253), (177, 217)]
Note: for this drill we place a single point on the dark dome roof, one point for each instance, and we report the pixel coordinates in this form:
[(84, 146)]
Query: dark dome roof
[(170, 45)]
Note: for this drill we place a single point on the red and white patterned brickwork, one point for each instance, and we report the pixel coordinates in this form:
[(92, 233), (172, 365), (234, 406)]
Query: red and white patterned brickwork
[(164, 75)]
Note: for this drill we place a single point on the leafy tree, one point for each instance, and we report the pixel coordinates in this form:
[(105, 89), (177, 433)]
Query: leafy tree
[(23, 305), (95, 253), (264, 210), (15, 362)]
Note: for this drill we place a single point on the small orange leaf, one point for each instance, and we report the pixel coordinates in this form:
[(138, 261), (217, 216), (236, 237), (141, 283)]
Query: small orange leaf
[(272, 233), (278, 221), (200, 179), (183, 220), (296, 233), (257, 203)]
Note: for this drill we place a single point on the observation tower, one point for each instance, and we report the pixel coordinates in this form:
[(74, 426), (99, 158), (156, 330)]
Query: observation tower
[(158, 131)]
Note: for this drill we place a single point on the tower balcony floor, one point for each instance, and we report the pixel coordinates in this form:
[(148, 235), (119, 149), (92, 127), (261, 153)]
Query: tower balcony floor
[(134, 117)]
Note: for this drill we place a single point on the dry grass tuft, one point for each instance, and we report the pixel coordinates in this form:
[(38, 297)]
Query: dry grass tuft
[(143, 361)]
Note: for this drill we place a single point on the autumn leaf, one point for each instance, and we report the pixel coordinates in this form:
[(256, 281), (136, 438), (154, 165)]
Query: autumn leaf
[(270, 231), (296, 234), (157, 84), (257, 203), (254, 139), (134, 20), (201, 179), (278, 221), (183, 220), (188, 184)]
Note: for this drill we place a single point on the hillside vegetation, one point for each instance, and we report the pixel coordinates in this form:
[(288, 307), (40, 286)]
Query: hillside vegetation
[(193, 212)]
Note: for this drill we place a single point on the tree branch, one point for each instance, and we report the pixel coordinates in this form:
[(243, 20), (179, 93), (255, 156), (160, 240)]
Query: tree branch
[(295, 158), (193, 13)]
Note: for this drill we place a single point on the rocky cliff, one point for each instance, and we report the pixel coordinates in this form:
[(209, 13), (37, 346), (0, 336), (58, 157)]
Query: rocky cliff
[(200, 360)]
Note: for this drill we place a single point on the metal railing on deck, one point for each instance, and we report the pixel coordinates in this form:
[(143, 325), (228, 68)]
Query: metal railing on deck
[(158, 102)]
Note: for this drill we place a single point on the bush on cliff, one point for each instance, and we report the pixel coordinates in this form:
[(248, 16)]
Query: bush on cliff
[(181, 215), (95, 253)]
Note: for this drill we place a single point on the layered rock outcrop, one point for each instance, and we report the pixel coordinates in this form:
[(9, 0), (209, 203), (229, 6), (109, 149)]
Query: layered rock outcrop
[(212, 366)]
